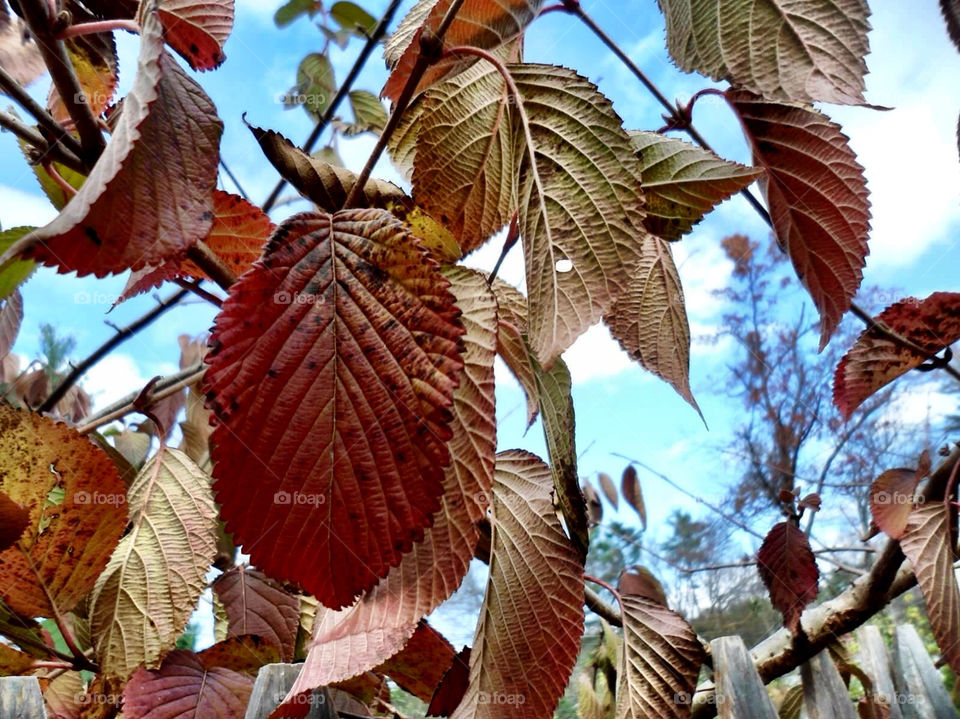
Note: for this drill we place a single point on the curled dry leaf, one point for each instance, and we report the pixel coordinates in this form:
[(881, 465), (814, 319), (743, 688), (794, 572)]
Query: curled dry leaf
[(183, 686), (928, 544), (683, 182), (197, 29), (892, 500), (817, 196), (149, 197), (144, 597), (526, 643), (633, 493), (609, 488), (639, 581), (782, 50), (789, 571), (255, 604), (74, 498), (876, 360), (487, 24), (349, 329), (661, 660), (359, 638)]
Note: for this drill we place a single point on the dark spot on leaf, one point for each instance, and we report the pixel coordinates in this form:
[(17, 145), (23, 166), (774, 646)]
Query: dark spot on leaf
[(92, 235)]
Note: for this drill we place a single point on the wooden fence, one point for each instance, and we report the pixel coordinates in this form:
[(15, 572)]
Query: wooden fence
[(908, 682)]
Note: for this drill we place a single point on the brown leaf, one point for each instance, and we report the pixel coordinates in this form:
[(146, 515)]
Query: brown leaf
[(63, 696), (350, 330), (633, 493), (245, 653), (197, 29), (593, 505), (149, 197), (14, 519), (512, 343), (487, 24), (789, 571), (452, 687), (75, 499), (11, 315), (182, 686), (526, 643), (875, 360), (255, 604), (650, 319), (609, 488), (817, 196), (419, 667), (927, 543), (376, 627), (13, 662), (639, 582), (661, 660), (892, 500)]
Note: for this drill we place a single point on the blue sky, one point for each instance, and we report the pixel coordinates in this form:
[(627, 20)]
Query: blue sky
[(910, 155)]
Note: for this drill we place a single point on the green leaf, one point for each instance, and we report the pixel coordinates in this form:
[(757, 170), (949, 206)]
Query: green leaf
[(289, 12), (683, 182), (780, 49), (368, 112), (316, 85), (353, 17), (15, 272)]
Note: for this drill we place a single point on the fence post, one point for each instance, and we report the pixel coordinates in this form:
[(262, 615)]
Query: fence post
[(21, 698), (739, 690), (825, 696), (922, 680), (272, 684), (875, 661)]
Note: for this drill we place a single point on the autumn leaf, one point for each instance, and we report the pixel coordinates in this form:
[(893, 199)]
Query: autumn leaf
[(144, 597), (661, 660), (789, 571), (197, 29), (149, 197), (559, 431), (683, 182), (875, 360), (609, 488), (13, 662), (512, 343), (74, 498), (817, 196), (14, 519), (95, 62), (359, 638), (951, 15), (487, 24), (633, 493), (650, 319), (237, 236), (349, 329), (63, 696), (419, 667), (245, 653), (927, 543), (183, 686), (892, 500), (255, 604), (527, 639), (452, 687), (11, 315), (639, 582), (781, 50)]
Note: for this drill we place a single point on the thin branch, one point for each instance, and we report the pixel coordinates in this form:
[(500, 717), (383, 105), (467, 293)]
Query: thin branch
[(601, 608), (194, 287), (121, 336), (65, 80), (431, 45), (372, 41), (233, 179), (208, 261), (39, 143), (43, 117)]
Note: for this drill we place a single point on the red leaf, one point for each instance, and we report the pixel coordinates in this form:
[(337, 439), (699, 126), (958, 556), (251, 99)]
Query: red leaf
[(817, 196), (359, 638), (148, 198), (875, 360), (11, 315), (789, 571), (255, 604), (183, 687), (13, 520), (452, 687), (239, 231), (419, 667), (892, 500), (245, 653), (197, 29), (337, 351)]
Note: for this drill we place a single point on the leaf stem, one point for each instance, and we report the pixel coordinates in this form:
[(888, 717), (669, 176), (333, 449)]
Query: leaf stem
[(606, 585), (65, 80), (91, 28), (372, 41), (431, 44), (68, 189), (121, 336), (43, 117)]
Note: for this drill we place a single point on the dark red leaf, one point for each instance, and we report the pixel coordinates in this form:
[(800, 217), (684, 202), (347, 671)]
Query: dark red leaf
[(13, 520), (420, 666), (332, 371), (876, 360), (452, 687), (639, 582), (789, 571), (197, 29)]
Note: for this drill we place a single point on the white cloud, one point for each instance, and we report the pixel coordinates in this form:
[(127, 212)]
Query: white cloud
[(596, 354), (117, 375), (24, 208)]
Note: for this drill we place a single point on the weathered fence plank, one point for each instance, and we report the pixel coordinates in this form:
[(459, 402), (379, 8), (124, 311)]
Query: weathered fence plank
[(740, 692), (875, 661), (825, 696), (272, 684), (924, 695), (21, 698)]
